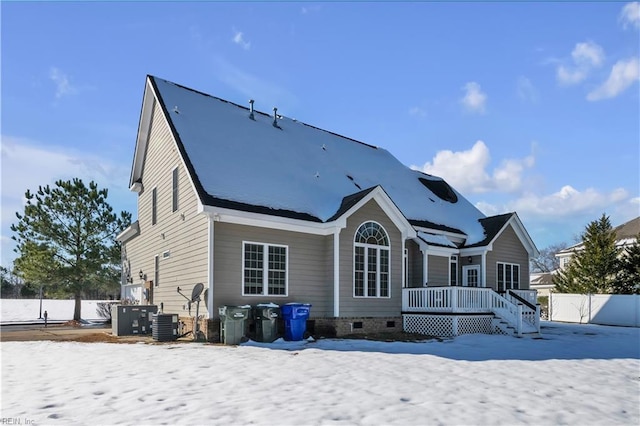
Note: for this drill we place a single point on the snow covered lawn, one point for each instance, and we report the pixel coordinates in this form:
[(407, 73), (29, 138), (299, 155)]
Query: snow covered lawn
[(578, 374), (28, 310)]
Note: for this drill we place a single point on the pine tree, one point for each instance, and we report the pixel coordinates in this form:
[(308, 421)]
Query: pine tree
[(628, 281), (592, 269), (66, 238)]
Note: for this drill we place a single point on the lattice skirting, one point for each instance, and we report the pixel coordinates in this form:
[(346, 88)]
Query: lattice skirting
[(447, 325)]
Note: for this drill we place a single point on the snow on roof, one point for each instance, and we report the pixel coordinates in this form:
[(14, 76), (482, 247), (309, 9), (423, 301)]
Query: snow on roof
[(295, 166), (440, 240)]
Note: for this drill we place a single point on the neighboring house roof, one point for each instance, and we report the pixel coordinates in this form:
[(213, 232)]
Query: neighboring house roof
[(628, 230), (541, 279), (626, 234)]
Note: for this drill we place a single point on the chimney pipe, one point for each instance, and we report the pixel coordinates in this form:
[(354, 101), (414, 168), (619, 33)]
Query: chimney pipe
[(275, 117), (251, 116)]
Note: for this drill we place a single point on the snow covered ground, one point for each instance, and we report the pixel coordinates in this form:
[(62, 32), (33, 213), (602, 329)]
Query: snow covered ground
[(576, 375), (28, 310)]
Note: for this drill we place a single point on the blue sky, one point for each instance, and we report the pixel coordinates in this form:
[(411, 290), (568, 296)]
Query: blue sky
[(527, 107)]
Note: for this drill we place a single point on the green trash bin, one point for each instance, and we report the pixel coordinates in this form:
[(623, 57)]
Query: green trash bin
[(266, 317), (232, 323)]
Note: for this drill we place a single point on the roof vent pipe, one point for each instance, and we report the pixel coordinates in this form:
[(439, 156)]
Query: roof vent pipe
[(275, 117), (251, 116)]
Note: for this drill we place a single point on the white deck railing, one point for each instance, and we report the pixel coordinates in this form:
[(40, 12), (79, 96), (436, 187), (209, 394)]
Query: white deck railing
[(530, 296), (471, 300)]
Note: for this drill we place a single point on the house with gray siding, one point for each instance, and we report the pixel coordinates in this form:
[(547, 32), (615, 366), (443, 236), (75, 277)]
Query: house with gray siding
[(262, 208)]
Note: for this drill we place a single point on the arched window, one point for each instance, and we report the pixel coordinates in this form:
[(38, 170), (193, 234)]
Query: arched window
[(371, 261)]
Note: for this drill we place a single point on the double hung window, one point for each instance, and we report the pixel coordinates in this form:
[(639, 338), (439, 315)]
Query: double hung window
[(264, 269), (508, 276)]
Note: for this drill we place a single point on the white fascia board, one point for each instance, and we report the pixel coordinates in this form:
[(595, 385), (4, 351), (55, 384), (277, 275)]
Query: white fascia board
[(476, 251), (441, 251), (389, 208), (146, 121), (260, 220), (435, 250), (523, 235), (454, 237), (142, 140), (129, 232)]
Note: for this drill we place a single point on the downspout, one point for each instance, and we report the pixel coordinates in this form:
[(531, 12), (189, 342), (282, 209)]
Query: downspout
[(336, 272), (210, 266)]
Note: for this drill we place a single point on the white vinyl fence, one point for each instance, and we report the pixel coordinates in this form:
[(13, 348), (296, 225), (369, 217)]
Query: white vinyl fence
[(604, 309)]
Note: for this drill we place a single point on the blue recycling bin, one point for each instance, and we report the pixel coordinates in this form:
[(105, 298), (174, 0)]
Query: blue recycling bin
[(295, 317)]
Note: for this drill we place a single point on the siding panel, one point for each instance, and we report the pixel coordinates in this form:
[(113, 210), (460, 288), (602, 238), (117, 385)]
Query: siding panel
[(416, 259), (507, 248), (370, 307), (438, 271), (310, 280), (183, 234)]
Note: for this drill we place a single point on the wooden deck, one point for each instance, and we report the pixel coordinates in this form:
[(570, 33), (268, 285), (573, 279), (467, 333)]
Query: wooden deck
[(516, 309)]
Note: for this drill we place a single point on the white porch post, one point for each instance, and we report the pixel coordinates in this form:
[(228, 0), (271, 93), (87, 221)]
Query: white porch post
[(336, 272), (405, 257), (425, 268), (210, 266), (483, 268)]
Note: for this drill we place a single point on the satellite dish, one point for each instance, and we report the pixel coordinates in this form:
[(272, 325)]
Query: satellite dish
[(197, 291)]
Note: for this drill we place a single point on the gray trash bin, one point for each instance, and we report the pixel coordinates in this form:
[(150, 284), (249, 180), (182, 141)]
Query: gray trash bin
[(266, 317), (232, 323)]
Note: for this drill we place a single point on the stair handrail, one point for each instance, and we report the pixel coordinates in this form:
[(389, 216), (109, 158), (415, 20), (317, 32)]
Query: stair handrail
[(535, 308), (507, 310)]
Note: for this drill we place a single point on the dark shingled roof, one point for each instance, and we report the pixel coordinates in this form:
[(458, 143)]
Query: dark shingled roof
[(492, 225)]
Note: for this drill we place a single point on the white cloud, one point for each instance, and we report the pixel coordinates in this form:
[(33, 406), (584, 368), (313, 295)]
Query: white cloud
[(264, 92), (560, 216), (630, 15), (474, 99), (525, 89), (565, 203), (28, 165), (61, 81), (238, 39), (467, 170), (569, 77), (417, 112), (588, 53), (623, 74), (310, 9), (585, 56)]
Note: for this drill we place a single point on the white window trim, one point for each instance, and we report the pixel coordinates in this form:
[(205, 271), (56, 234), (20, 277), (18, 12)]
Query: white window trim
[(454, 259), (505, 264), (366, 263), (465, 269), (265, 269)]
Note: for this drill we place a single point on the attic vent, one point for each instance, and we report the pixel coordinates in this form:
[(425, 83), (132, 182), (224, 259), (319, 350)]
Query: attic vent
[(176, 110), (251, 116), (441, 189), (324, 147)]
